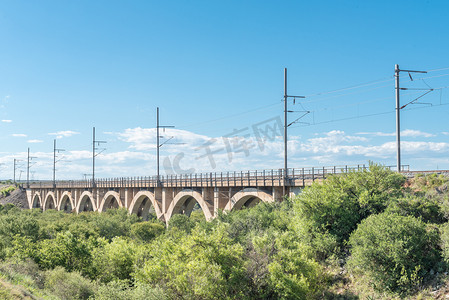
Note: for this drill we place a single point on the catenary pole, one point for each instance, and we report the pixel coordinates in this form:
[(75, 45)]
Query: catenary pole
[(398, 122), (285, 132), (286, 125), (398, 110), (28, 168)]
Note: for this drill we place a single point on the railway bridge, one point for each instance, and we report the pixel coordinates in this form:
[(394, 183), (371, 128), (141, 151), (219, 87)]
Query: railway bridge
[(176, 194)]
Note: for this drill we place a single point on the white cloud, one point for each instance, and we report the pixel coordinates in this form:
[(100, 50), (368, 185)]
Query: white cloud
[(331, 142), (144, 139), (78, 154), (35, 141), (335, 144), (378, 133), (64, 133), (19, 135), (405, 133), (445, 133), (335, 147), (6, 121), (416, 133)]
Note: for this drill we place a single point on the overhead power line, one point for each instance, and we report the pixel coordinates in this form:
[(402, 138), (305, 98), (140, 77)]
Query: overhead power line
[(352, 87), (435, 70)]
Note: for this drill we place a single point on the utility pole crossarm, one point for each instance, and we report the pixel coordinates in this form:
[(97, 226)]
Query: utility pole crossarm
[(411, 71), (159, 144), (28, 167), (55, 150), (94, 143)]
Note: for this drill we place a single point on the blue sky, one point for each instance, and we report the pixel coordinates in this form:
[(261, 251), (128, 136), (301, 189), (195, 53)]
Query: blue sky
[(215, 69)]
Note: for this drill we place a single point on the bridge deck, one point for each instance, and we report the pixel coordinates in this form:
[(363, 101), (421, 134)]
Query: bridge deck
[(296, 177)]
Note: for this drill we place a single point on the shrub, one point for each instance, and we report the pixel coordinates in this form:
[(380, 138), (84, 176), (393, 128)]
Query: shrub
[(115, 261), (18, 223), (146, 231), (427, 209), (68, 286), (394, 252), (327, 209), (67, 251), (198, 266), (262, 217), (327, 212), (113, 222), (122, 290), (444, 236), (292, 274), (428, 182), (7, 190), (181, 222), (25, 273)]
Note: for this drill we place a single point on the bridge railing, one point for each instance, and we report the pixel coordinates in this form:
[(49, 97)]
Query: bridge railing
[(268, 177)]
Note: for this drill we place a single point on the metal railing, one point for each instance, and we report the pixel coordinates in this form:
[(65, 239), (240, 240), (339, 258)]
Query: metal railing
[(270, 177)]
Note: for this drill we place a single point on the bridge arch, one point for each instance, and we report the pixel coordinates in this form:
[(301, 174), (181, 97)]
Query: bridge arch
[(248, 198), (66, 204), (142, 203), (86, 202), (110, 200), (50, 201), (36, 201), (184, 203)]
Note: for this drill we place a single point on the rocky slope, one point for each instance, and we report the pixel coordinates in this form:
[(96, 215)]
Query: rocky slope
[(16, 197)]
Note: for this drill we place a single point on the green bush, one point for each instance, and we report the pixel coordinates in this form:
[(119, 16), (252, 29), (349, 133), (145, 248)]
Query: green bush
[(396, 253), (262, 217), (146, 231), (5, 208), (16, 222), (444, 236), (7, 190), (25, 273), (115, 261), (66, 251), (427, 209), (181, 222), (327, 212), (292, 274), (122, 290), (113, 222), (198, 266), (427, 182), (68, 286), (327, 209)]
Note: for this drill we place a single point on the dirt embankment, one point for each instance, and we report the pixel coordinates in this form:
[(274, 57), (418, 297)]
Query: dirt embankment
[(17, 197)]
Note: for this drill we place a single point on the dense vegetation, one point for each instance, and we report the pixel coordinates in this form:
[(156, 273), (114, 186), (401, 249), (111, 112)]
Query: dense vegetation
[(364, 234)]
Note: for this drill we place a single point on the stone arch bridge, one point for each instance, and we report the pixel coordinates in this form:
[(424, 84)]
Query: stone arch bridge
[(177, 194)]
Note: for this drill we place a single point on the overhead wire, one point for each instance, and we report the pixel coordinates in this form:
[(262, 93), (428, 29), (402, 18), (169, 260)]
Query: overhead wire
[(318, 99), (435, 70), (347, 94), (351, 87), (366, 115)]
